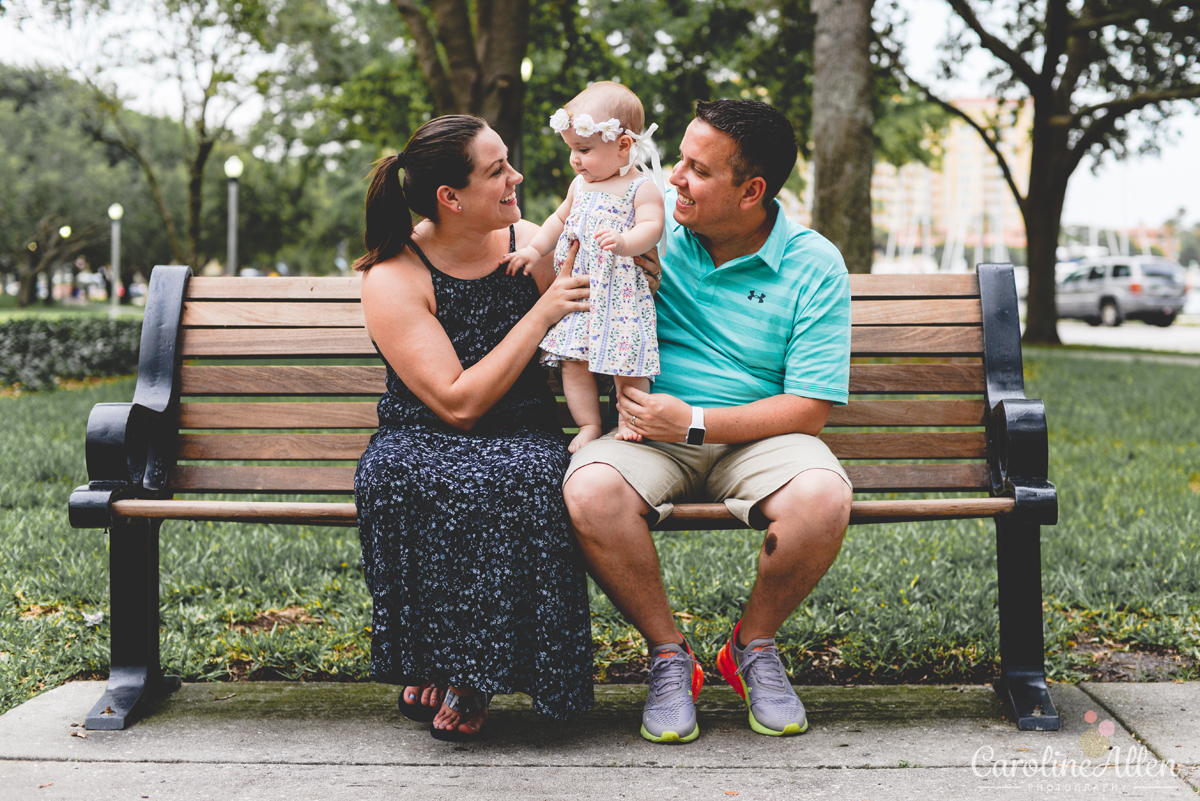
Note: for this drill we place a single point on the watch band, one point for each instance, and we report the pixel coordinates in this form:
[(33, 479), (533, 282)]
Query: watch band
[(695, 435)]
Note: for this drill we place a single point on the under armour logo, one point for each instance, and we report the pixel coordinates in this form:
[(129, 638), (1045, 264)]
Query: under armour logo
[(760, 297)]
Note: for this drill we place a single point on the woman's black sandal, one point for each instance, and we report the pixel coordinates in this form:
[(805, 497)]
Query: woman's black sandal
[(465, 706), (421, 713)]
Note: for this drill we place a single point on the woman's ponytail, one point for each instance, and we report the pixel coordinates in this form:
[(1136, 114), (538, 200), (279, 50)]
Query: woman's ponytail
[(388, 220)]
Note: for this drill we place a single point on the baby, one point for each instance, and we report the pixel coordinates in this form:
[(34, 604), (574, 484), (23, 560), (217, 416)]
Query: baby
[(615, 212)]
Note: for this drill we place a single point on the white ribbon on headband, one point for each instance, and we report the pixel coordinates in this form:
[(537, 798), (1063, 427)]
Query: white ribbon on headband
[(643, 147)]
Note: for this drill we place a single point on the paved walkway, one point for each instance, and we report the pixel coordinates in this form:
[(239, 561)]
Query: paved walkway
[(333, 741)]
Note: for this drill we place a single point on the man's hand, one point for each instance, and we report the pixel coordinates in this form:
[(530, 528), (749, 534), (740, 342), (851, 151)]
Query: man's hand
[(662, 418), (648, 263)]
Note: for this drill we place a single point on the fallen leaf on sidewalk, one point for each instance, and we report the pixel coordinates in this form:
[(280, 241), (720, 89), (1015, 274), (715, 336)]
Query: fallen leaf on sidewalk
[(78, 733), (43, 786)]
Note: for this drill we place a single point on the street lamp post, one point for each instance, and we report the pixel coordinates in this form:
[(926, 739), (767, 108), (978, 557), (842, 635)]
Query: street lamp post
[(115, 213), (233, 171)]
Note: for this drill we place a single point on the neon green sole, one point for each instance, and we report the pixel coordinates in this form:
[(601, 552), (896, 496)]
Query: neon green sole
[(670, 736), (788, 730)]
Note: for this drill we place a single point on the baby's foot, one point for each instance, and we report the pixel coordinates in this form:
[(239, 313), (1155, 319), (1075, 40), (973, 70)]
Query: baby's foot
[(447, 718), (586, 434), (627, 434)]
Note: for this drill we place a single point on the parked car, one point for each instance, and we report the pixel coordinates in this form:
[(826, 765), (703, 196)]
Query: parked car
[(1112, 289)]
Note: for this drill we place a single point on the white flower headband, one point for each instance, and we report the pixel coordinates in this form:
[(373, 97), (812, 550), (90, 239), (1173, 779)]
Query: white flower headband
[(609, 130)]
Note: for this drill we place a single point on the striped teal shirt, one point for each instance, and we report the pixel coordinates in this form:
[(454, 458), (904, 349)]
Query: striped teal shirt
[(770, 323)]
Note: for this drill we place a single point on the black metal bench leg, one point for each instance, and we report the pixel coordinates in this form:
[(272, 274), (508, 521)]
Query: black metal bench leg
[(1022, 683), (136, 676)]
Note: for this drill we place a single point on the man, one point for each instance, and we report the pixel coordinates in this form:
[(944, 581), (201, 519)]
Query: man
[(754, 334)]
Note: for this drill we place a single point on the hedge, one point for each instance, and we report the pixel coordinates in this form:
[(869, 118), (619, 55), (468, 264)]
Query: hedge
[(34, 352)]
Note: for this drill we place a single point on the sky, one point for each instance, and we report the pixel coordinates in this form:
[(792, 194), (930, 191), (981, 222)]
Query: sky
[(1135, 192)]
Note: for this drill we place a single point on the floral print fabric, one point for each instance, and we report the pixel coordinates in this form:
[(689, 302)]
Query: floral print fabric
[(618, 335), (466, 548)]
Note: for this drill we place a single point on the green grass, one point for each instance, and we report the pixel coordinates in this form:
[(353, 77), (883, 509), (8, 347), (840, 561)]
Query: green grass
[(903, 602)]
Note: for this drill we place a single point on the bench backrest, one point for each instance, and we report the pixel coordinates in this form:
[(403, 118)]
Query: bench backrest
[(279, 384)]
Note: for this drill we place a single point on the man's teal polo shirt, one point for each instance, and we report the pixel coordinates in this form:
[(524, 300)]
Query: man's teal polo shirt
[(773, 322)]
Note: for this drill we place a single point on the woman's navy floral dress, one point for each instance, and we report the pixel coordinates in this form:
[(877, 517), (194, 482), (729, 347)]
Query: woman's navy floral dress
[(466, 548)]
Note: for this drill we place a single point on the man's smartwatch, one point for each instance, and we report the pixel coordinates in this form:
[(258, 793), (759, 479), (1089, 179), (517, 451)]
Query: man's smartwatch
[(696, 430)]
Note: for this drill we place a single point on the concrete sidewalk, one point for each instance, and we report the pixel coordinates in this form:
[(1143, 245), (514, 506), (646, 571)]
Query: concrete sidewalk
[(333, 741)]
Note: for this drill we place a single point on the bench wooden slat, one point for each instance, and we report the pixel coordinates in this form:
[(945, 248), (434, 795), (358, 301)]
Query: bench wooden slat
[(250, 342), (941, 311), (335, 480), (964, 285), (330, 414), (282, 288), (692, 516), (248, 447), (886, 340), (282, 380), (362, 414), (258, 315), (917, 379), (961, 285), (896, 379), (909, 413), (241, 342)]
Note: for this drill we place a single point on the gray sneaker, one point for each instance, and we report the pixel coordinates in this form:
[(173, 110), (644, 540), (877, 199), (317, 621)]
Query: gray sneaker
[(675, 682), (758, 676)]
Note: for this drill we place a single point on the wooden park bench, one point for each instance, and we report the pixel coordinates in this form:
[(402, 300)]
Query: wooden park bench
[(937, 409)]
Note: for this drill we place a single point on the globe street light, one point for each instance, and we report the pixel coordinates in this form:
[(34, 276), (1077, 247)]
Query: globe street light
[(233, 171), (115, 213)]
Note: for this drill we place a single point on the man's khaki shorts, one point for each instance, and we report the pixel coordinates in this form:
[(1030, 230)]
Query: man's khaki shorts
[(740, 476)]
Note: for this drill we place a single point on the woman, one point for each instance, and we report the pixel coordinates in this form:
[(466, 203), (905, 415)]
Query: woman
[(466, 549)]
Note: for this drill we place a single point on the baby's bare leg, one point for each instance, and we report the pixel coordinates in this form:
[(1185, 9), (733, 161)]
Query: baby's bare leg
[(583, 399), (637, 382)]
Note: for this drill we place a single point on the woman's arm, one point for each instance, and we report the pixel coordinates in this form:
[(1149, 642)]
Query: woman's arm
[(397, 301)]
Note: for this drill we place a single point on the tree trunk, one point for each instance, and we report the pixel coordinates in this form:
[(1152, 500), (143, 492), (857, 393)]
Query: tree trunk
[(843, 145), (481, 73), (1042, 211)]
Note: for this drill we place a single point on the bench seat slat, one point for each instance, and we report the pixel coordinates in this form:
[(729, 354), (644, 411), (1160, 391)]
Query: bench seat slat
[(950, 285), (906, 379), (886, 340), (913, 445), (362, 414), (329, 414), (335, 480), (693, 516), (322, 288), (273, 315), (908, 413), (881, 340), (916, 312), (961, 285), (241, 342)]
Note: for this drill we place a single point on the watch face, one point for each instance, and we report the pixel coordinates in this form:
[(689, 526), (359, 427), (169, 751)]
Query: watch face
[(695, 436)]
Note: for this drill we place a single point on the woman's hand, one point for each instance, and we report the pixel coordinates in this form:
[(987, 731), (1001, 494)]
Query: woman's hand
[(569, 293)]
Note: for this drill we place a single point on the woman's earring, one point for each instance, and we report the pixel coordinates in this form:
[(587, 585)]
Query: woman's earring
[(460, 207)]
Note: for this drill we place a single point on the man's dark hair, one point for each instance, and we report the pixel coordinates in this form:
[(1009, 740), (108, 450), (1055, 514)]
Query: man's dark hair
[(766, 143)]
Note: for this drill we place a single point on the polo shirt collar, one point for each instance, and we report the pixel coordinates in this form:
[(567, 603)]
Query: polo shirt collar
[(771, 253)]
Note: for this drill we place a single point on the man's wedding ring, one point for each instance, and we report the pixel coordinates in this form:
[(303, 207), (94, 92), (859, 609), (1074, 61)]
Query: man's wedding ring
[(634, 422)]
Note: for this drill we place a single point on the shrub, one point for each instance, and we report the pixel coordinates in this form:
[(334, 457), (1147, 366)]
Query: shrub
[(34, 352)]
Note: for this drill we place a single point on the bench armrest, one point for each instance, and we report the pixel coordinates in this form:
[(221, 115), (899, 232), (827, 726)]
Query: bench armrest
[(131, 446)]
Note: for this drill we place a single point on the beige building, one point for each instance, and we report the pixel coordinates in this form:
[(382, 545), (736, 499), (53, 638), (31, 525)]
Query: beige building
[(961, 202)]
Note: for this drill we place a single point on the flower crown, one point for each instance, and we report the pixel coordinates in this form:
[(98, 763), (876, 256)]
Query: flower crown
[(585, 126)]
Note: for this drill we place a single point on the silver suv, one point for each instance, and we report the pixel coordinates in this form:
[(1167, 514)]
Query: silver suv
[(1112, 289)]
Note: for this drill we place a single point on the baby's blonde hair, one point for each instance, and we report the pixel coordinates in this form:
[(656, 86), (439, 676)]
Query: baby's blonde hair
[(604, 100)]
